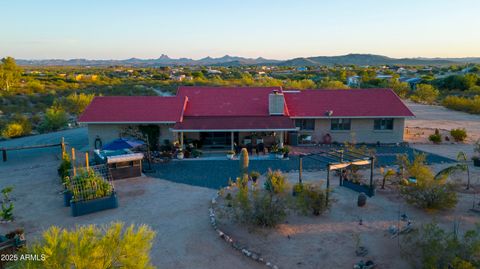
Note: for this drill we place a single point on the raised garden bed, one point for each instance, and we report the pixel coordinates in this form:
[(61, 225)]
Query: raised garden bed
[(67, 197), (359, 188), (90, 206)]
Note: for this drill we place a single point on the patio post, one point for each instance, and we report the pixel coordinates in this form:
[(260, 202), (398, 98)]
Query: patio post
[(231, 141), (371, 171), (181, 140), (300, 168), (328, 183), (281, 139)]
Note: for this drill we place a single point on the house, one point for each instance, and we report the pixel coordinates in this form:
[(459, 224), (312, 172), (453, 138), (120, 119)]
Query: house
[(354, 81), (219, 117)]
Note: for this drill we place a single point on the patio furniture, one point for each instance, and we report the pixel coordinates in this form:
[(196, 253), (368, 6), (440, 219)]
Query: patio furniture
[(260, 148)]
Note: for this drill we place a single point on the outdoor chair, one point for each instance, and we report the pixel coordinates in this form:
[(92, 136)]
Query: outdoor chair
[(260, 148)]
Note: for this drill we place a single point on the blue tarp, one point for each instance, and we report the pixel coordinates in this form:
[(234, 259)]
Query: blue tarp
[(123, 143)]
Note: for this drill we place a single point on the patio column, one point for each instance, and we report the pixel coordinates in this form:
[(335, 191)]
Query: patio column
[(232, 140), (281, 140), (181, 140)]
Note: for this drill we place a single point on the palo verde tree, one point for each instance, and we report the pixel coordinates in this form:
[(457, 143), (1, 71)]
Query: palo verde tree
[(92, 247), (9, 73)]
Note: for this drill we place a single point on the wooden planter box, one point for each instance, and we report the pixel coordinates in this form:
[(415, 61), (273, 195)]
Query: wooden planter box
[(359, 188), (91, 206)]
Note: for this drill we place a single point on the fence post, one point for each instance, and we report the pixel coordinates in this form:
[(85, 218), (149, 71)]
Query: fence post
[(73, 162), (87, 164), (62, 144)]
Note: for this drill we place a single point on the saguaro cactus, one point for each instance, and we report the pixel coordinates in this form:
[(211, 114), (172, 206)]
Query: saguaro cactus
[(244, 161)]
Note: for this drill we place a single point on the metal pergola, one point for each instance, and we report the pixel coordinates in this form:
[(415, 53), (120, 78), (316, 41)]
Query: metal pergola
[(338, 160)]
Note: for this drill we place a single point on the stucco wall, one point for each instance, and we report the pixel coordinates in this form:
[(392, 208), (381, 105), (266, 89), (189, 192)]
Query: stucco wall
[(361, 131), (109, 132)]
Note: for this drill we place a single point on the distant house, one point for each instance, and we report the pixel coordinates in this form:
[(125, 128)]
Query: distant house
[(412, 82), (222, 117), (354, 81), (84, 77), (214, 72), (302, 69)]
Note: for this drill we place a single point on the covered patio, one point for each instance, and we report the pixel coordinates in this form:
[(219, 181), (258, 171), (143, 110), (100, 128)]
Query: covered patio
[(233, 133)]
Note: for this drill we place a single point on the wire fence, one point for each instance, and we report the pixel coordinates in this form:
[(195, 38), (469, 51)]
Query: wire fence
[(92, 183)]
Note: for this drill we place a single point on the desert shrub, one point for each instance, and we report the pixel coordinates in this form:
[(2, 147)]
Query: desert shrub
[(13, 130), (425, 94), (428, 192), (76, 103), (110, 246), (432, 247), (7, 205), (459, 134), (55, 119), (311, 198), (258, 207), (65, 166), (435, 138), (466, 104), (276, 182), (254, 175)]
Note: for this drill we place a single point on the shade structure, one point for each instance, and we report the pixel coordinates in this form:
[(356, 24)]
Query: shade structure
[(123, 143)]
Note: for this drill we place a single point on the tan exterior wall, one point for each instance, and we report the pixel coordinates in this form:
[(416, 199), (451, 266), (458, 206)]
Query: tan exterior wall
[(361, 131), (109, 132)]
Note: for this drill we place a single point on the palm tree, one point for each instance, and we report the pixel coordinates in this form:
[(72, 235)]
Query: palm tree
[(461, 166)]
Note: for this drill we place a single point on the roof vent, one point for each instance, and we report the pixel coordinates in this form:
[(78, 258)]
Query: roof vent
[(329, 113), (276, 103)]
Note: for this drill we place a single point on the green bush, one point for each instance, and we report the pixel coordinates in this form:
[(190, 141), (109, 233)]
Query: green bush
[(459, 134), (65, 167), (311, 198), (112, 246), (466, 104), (425, 94), (433, 247), (13, 130), (435, 138), (55, 119), (265, 207), (428, 192)]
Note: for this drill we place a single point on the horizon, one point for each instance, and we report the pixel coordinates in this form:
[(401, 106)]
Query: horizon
[(273, 30), (231, 55)]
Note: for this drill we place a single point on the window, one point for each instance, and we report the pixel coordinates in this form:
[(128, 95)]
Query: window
[(305, 124), (340, 124), (383, 124)]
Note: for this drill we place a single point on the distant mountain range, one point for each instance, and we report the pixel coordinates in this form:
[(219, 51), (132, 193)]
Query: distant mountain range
[(164, 60)]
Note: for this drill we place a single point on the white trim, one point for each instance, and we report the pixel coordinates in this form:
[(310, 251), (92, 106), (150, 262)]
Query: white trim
[(128, 122), (232, 130)]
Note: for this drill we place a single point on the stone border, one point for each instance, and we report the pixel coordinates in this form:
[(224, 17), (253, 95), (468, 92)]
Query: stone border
[(233, 243)]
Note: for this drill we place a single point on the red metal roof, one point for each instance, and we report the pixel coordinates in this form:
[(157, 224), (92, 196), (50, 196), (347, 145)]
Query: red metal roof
[(226, 101), (242, 107), (236, 123), (144, 109), (346, 103)]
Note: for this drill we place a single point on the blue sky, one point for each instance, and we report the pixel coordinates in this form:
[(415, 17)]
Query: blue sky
[(108, 29)]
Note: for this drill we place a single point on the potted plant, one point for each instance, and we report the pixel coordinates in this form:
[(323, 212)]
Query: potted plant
[(230, 154), (286, 150), (180, 154)]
